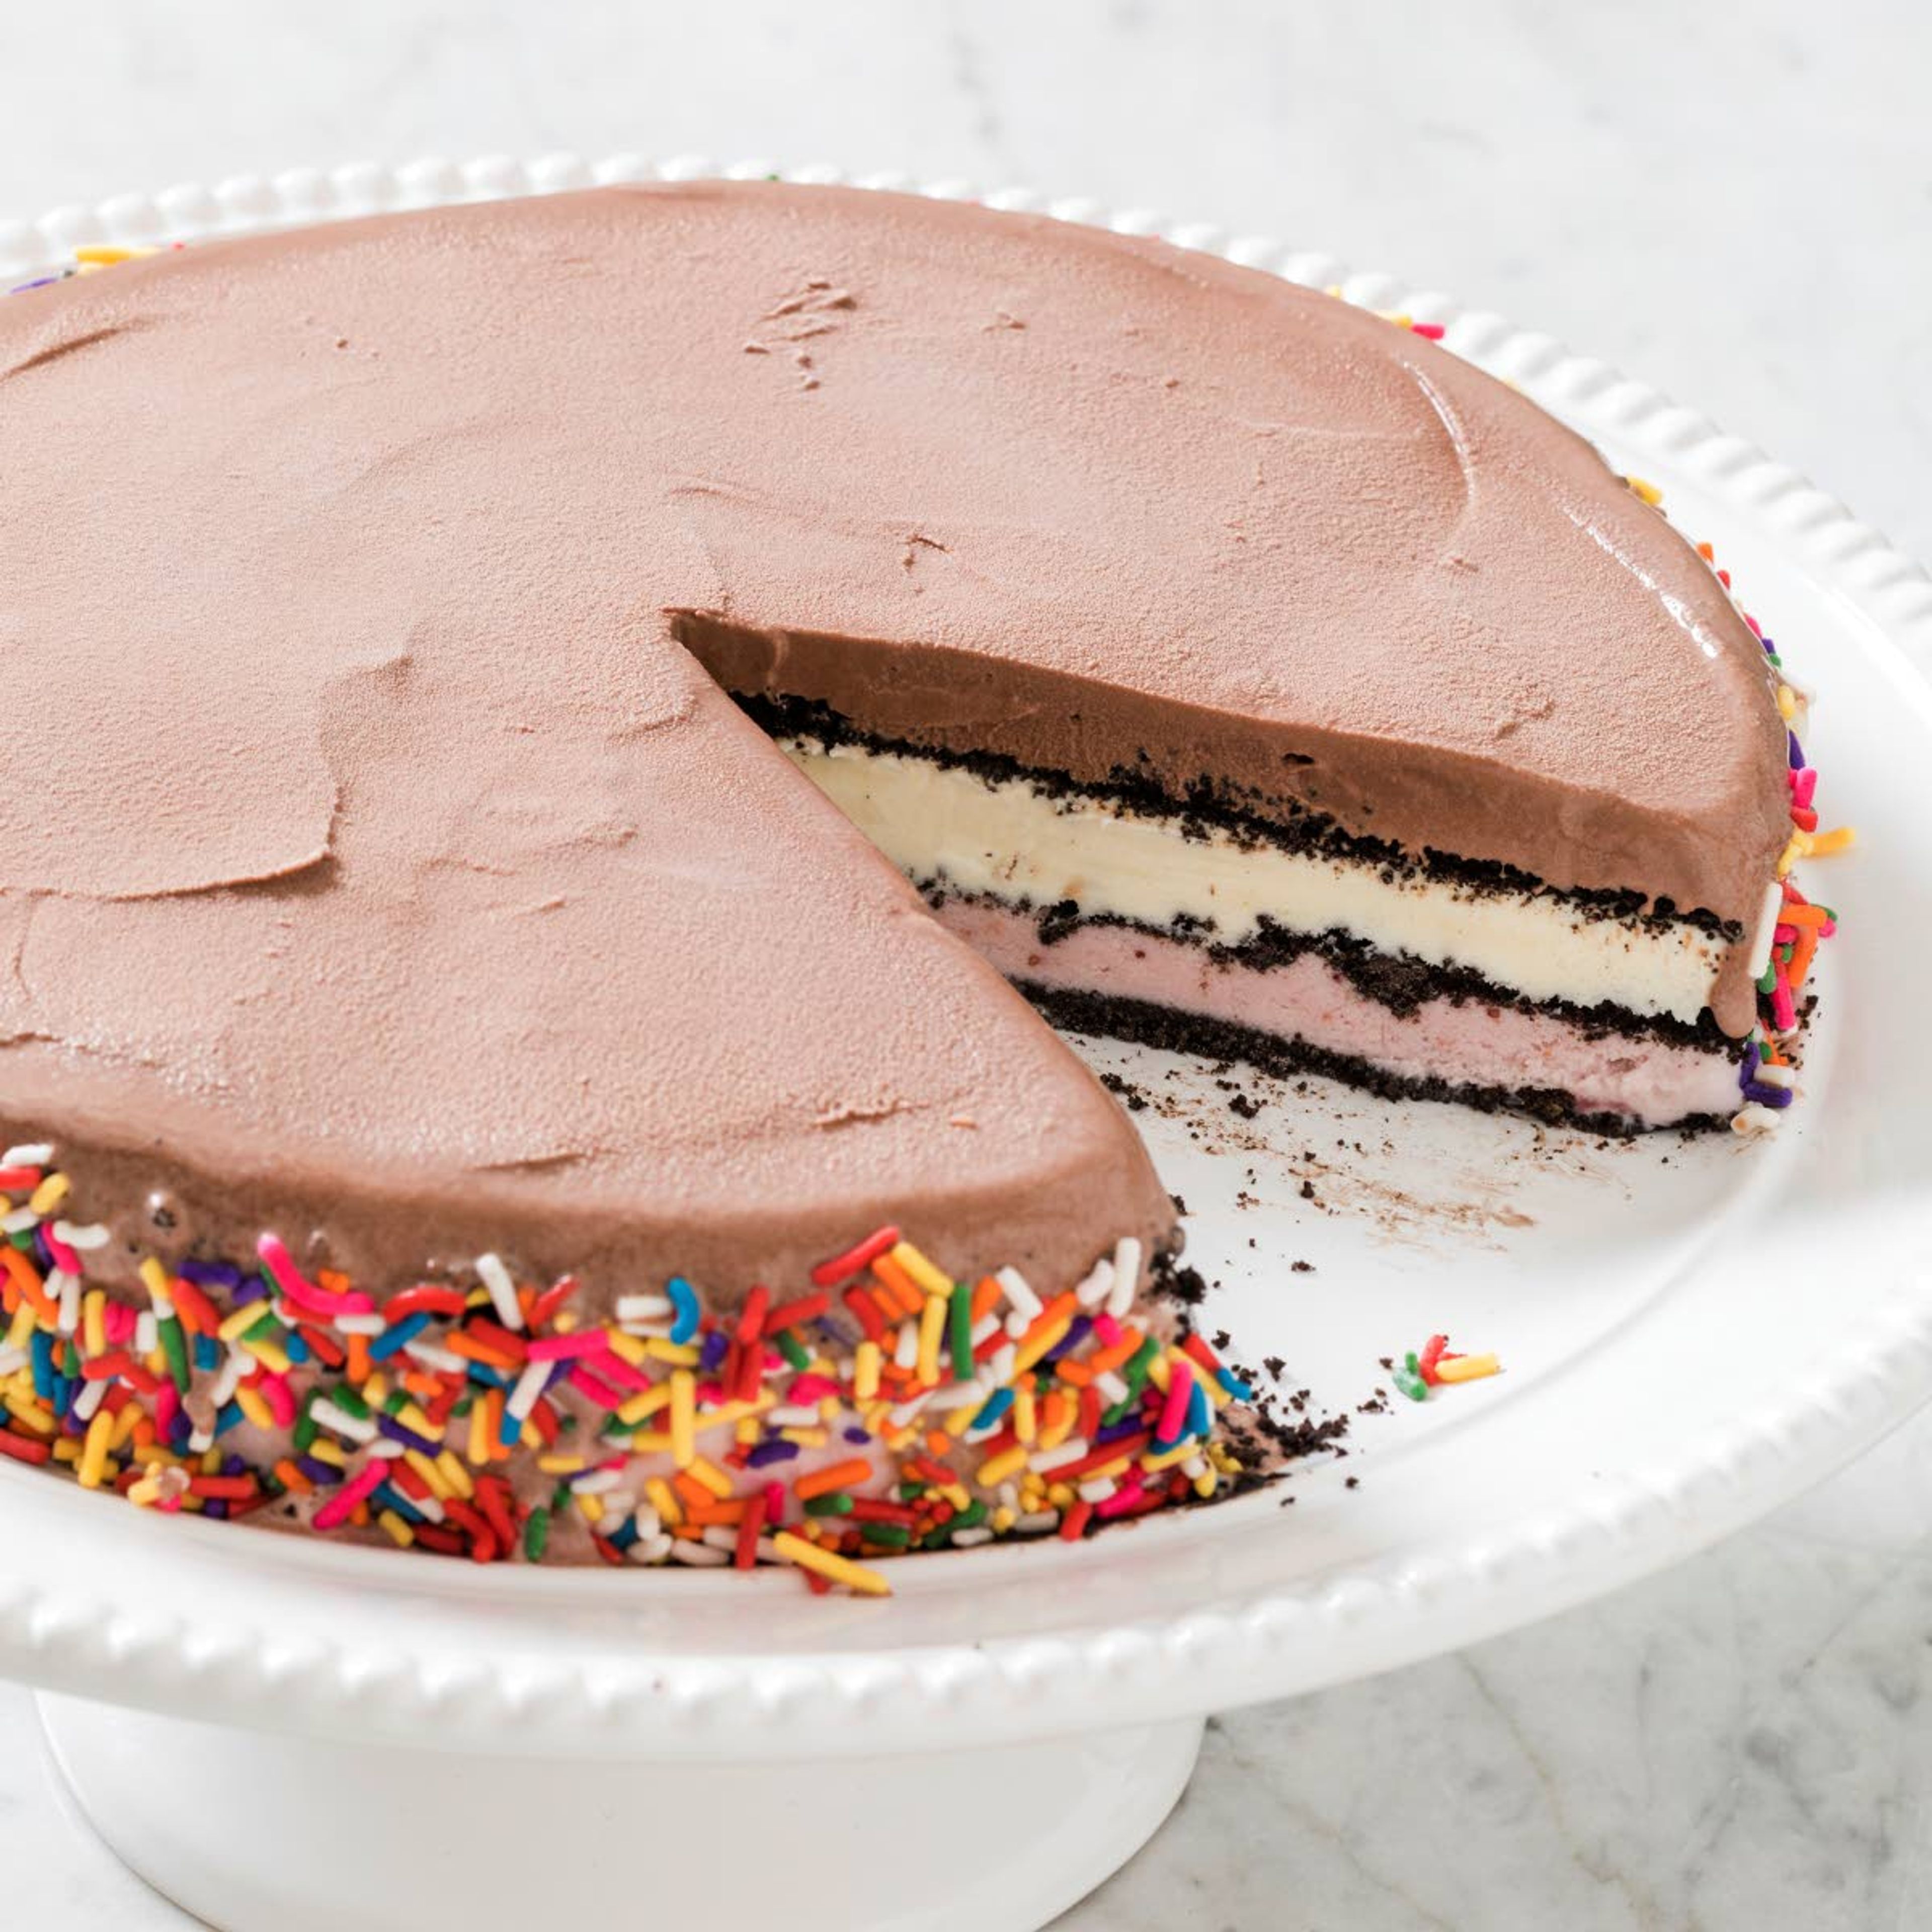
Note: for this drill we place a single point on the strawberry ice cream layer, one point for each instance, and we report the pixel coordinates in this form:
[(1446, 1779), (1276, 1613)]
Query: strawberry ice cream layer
[(1647, 1081)]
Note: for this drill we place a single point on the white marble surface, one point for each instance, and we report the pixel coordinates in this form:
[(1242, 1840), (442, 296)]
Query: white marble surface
[(1734, 200)]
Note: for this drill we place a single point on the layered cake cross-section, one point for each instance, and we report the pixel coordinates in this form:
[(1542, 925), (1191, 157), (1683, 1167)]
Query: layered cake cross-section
[(1123, 911)]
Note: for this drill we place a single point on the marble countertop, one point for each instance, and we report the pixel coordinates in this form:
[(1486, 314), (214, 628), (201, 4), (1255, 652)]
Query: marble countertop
[(1732, 201)]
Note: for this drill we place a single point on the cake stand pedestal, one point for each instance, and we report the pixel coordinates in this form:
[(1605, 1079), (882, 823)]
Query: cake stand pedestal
[(256, 1831)]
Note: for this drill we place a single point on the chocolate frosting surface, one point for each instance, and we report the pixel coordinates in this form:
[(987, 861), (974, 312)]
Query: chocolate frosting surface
[(392, 864)]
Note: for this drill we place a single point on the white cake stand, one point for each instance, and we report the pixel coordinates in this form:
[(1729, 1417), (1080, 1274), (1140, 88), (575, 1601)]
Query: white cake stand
[(284, 1735)]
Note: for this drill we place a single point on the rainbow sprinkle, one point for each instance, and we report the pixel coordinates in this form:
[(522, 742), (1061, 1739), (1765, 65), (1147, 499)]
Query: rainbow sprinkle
[(1435, 1363), (888, 1408), (90, 261)]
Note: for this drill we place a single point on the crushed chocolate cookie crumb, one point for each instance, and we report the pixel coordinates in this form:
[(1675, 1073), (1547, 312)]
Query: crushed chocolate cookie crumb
[(1184, 1284)]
